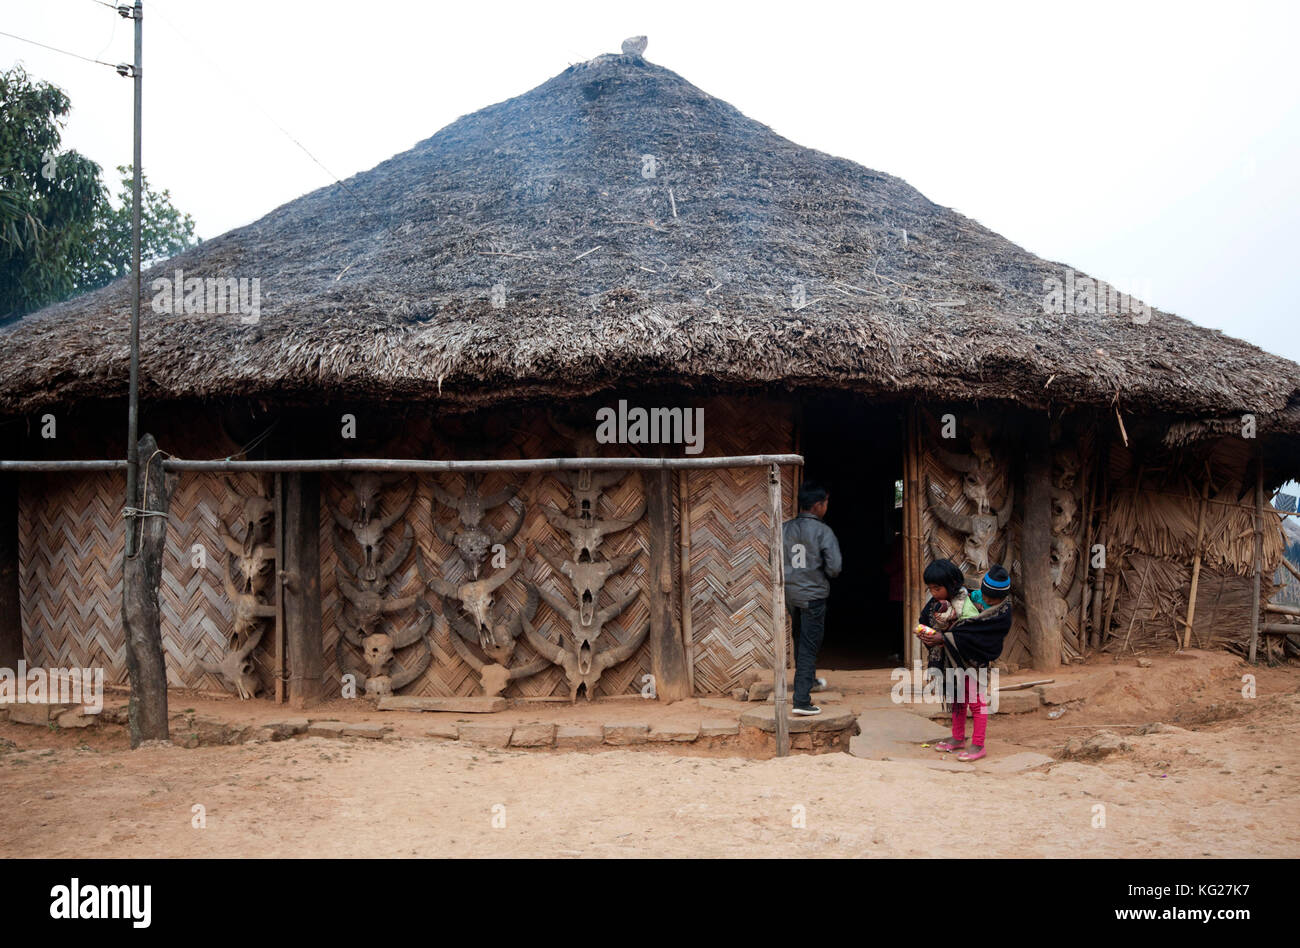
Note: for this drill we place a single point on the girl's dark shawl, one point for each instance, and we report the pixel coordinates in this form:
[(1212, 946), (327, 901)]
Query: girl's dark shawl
[(977, 641)]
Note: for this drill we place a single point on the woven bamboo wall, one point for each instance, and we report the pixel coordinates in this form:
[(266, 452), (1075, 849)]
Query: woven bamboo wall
[(70, 575), (196, 614), (70, 536), (730, 574)]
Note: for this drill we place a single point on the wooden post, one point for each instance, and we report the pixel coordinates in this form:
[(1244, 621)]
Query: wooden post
[(11, 613), (279, 588), (684, 573), (1196, 562), (1097, 633), (141, 618), (300, 578), (1036, 548), (913, 536), (1088, 491), (667, 656), (1259, 554), (776, 555)]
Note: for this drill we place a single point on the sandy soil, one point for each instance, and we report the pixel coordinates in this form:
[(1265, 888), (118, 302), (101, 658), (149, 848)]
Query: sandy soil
[(1225, 783)]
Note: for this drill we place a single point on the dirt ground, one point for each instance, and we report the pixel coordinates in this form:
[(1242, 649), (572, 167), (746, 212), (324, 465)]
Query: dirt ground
[(1221, 779)]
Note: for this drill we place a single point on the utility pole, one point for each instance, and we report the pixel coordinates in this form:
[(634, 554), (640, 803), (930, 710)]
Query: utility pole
[(133, 397), (142, 564)]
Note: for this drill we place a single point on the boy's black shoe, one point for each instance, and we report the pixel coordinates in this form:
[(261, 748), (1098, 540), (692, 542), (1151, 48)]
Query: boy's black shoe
[(806, 709)]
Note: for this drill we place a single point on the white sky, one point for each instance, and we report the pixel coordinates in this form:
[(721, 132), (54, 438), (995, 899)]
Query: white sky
[(1154, 145)]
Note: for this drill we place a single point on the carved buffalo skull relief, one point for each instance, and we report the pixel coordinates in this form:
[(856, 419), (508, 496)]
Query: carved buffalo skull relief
[(476, 598), (256, 516), (977, 470), (1064, 556), (1065, 469), (475, 537), (1064, 509), (981, 529), (368, 526)]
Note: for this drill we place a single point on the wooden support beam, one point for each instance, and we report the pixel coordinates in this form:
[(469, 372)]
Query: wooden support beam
[(1097, 632), (141, 616), (684, 572), (1259, 553), (11, 613), (1196, 562), (1036, 548), (913, 536), (300, 578), (776, 557), (667, 656)]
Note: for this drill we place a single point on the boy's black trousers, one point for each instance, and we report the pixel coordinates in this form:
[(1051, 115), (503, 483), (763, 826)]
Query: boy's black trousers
[(809, 628)]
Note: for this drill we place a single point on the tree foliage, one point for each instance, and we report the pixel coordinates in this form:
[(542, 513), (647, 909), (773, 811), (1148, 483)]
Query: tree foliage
[(60, 233)]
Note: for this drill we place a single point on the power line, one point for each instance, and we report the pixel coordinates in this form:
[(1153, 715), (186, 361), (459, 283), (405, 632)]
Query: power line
[(252, 98), (65, 52)]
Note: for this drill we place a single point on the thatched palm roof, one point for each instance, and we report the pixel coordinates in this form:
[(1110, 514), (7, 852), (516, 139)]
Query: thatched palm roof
[(381, 286)]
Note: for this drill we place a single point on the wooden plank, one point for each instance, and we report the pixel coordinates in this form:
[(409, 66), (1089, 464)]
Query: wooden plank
[(304, 648), (141, 614), (472, 705), (1036, 548), (11, 619), (667, 656)]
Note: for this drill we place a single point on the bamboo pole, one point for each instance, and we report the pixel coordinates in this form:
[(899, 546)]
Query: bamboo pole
[(1259, 554), (279, 589), (1281, 610), (1136, 603), (1196, 562), (1098, 632), (1280, 628), (1089, 492), (684, 565), (777, 557), (1294, 572), (1114, 596)]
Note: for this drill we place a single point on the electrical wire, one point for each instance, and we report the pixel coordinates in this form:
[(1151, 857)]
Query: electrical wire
[(251, 98), (65, 52)]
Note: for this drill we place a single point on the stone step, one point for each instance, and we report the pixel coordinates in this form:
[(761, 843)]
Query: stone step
[(472, 705)]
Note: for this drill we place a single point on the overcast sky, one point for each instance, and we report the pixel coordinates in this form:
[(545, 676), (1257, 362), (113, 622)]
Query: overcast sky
[(1153, 145)]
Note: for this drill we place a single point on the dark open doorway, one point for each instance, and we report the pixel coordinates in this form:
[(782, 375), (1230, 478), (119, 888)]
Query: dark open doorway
[(855, 450)]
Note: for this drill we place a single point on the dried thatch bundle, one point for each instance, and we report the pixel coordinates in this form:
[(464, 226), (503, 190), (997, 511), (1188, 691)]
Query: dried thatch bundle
[(1152, 605), (632, 227), (1164, 525)]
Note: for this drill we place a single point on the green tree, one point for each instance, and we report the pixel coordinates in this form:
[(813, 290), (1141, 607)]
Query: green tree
[(60, 234)]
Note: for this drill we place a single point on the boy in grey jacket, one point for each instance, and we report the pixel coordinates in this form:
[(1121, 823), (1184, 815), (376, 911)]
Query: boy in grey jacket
[(812, 559)]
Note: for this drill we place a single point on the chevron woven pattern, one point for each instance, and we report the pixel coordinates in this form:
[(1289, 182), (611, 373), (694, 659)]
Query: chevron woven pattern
[(70, 579), (730, 570), (196, 615)]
